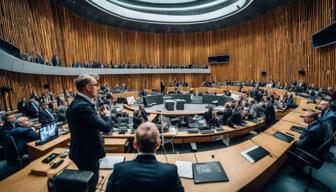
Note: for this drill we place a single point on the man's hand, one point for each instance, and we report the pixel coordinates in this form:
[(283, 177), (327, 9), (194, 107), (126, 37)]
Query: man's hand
[(104, 111)]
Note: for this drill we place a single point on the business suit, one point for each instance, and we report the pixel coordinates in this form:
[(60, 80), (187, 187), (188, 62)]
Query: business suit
[(234, 119), (22, 136), (86, 147), (226, 114), (144, 174), (137, 120), (5, 131), (22, 107), (33, 109), (162, 87), (327, 115), (270, 117), (257, 111), (311, 140), (46, 116)]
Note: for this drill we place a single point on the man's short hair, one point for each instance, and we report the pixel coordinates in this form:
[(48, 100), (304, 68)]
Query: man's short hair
[(85, 79), (146, 136), (312, 114)]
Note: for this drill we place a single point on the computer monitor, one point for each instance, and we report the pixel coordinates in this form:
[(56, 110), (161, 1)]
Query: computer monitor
[(48, 132)]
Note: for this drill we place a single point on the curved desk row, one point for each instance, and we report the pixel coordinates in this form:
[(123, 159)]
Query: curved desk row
[(243, 176)]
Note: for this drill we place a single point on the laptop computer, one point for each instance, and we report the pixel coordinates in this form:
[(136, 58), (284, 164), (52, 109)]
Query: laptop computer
[(47, 133)]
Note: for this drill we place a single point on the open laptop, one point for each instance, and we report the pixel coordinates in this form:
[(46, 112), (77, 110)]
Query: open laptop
[(47, 133)]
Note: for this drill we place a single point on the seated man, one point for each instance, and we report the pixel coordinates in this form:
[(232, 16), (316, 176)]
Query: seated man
[(315, 134), (33, 108), (23, 134), (327, 113), (236, 118), (46, 115), (145, 173), (227, 113), (208, 115), (22, 106), (8, 125)]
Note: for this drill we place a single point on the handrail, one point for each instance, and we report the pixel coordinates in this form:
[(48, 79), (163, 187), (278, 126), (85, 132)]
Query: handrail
[(10, 63)]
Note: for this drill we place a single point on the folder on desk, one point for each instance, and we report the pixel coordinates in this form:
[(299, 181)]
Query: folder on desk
[(298, 129), (254, 153), (108, 162), (184, 169), (209, 172), (282, 136)]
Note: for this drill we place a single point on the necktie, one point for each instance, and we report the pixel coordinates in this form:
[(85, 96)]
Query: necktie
[(52, 117)]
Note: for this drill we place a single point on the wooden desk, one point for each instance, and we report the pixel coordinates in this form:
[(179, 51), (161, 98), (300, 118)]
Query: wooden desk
[(23, 180), (273, 145), (284, 126), (302, 109), (36, 151), (295, 118), (115, 145), (242, 174)]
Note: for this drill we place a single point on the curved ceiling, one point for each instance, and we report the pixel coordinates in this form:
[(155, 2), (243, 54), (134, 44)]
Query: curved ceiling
[(171, 16)]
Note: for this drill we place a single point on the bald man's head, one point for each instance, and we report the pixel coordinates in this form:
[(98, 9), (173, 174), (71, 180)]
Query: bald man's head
[(24, 122), (147, 138), (324, 105)]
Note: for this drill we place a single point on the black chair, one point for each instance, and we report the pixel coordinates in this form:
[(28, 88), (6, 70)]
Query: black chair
[(314, 161), (14, 161)]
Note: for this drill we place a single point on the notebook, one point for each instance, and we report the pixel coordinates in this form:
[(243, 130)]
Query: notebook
[(206, 131), (108, 162), (184, 169), (254, 153), (283, 137), (298, 129), (209, 172)]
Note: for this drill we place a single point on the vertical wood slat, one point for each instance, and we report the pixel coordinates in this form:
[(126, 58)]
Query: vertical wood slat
[(278, 42)]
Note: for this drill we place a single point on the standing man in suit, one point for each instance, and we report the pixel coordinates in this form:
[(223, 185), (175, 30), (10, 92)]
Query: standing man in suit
[(270, 117), (46, 115), (162, 87), (145, 173), (86, 125)]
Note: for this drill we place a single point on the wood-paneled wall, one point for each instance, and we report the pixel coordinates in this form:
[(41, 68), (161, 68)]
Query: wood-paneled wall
[(278, 43), (24, 84)]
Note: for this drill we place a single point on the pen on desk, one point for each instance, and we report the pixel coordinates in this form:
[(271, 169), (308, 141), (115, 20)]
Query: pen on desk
[(289, 133)]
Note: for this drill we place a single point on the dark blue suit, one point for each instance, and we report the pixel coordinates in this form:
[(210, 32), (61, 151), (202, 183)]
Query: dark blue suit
[(329, 116), (312, 138), (22, 136), (144, 174), (87, 146), (270, 117)]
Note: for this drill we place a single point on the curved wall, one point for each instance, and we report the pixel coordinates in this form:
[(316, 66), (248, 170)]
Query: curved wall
[(278, 43)]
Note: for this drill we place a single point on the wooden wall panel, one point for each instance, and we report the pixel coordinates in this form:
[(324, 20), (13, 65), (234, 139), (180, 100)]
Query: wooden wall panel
[(278, 42)]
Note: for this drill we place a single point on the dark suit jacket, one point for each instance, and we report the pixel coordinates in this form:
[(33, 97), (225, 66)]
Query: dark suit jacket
[(226, 114), (234, 119), (270, 117), (85, 127), (312, 138), (22, 136), (144, 174), (45, 117), (5, 131), (31, 110), (136, 121), (22, 107)]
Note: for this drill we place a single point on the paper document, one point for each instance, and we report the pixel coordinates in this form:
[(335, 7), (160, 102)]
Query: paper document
[(109, 161), (184, 169)]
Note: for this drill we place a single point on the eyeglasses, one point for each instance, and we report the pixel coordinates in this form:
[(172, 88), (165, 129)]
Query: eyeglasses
[(96, 84)]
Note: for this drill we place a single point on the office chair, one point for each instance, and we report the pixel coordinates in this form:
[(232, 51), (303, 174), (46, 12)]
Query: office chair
[(14, 161), (314, 161)]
